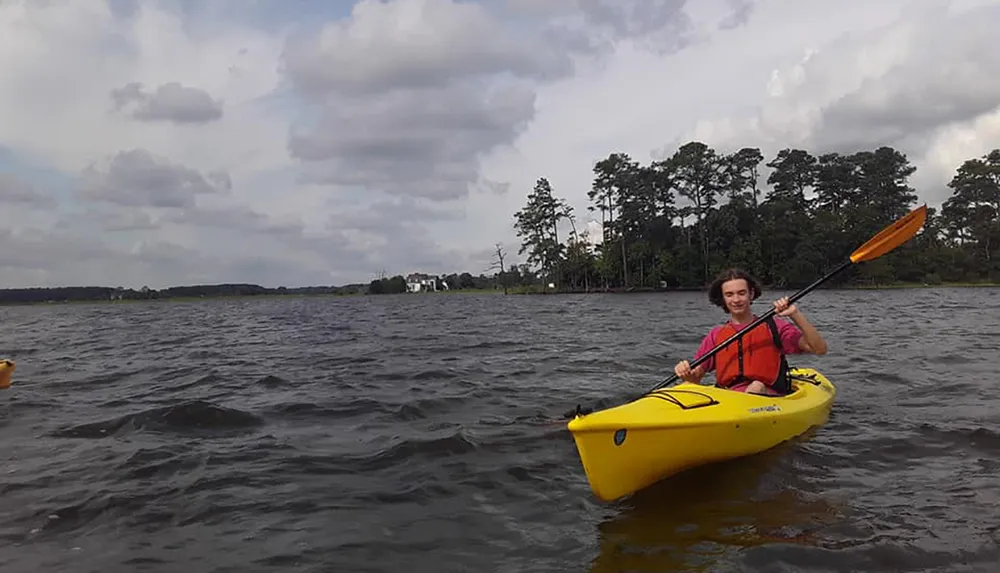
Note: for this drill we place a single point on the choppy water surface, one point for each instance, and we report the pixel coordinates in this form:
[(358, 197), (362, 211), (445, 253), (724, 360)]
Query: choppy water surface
[(424, 433)]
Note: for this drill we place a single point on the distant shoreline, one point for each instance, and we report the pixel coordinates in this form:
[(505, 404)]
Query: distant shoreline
[(512, 291), (920, 285)]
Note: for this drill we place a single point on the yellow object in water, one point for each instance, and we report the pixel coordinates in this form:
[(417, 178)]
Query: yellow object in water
[(6, 371), (629, 447)]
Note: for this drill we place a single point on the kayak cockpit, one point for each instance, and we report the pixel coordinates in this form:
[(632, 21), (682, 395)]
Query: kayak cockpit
[(682, 398)]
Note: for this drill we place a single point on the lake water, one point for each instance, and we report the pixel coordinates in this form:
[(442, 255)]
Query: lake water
[(425, 433)]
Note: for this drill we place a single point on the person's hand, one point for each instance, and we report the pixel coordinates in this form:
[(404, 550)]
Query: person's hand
[(683, 370), (782, 308)]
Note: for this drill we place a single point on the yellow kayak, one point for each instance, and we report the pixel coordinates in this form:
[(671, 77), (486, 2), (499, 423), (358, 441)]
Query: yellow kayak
[(629, 447)]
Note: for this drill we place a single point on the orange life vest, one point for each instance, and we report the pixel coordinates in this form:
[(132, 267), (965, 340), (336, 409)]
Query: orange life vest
[(757, 355)]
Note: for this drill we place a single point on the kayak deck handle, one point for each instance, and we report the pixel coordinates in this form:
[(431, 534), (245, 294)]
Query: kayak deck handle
[(669, 397), (811, 378)]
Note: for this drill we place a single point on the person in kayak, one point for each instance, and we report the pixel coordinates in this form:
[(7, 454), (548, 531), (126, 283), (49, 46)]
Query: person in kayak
[(755, 363)]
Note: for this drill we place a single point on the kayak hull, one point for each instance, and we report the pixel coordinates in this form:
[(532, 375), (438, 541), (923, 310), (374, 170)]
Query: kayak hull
[(629, 447)]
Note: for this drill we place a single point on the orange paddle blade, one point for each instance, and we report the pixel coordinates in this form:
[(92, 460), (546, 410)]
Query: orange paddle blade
[(892, 236)]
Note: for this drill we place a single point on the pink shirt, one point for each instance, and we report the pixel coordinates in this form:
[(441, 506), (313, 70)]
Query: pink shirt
[(789, 333)]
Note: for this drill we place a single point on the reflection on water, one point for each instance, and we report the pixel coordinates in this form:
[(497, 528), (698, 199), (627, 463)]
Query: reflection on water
[(696, 519)]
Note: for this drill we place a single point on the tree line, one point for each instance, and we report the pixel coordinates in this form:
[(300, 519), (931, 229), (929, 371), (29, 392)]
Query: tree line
[(106, 293), (513, 277), (676, 222)]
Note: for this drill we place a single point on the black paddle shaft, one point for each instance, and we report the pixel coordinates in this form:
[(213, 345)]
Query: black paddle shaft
[(754, 324)]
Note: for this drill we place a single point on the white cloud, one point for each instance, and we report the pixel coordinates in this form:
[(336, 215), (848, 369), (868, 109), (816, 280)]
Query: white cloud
[(164, 147), (921, 77)]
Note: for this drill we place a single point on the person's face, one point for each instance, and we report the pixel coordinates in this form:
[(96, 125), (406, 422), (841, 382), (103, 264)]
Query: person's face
[(736, 293)]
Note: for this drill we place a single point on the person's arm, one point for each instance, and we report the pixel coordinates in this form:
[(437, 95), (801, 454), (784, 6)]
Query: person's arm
[(811, 340)]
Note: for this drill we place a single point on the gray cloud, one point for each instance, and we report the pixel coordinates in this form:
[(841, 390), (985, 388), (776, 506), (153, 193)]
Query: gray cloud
[(15, 190), (393, 234), (51, 251), (120, 220), (496, 187), (422, 143), (388, 217), (934, 70), (950, 75), (170, 102), (239, 218), (416, 45), (740, 15), (239, 243), (258, 233), (77, 257), (412, 250), (161, 263), (411, 112), (596, 26), (137, 178), (663, 23)]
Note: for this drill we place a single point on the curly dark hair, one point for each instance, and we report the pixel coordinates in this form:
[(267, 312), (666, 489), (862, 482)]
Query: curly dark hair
[(715, 290)]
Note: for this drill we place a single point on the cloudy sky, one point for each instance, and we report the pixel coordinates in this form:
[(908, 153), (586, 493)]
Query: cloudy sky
[(282, 142)]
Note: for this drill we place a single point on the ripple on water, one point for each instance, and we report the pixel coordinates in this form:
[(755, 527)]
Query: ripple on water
[(422, 433)]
